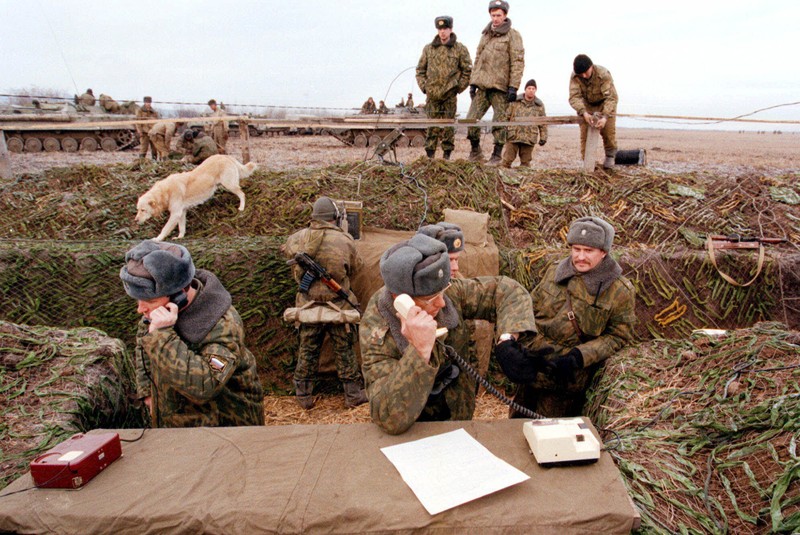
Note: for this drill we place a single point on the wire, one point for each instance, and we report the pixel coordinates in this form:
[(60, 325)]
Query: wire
[(61, 51), (134, 439)]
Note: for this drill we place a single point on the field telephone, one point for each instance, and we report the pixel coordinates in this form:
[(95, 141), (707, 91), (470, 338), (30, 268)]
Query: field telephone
[(552, 441)]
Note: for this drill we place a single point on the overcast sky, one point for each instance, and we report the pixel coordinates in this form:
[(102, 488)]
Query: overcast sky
[(710, 58)]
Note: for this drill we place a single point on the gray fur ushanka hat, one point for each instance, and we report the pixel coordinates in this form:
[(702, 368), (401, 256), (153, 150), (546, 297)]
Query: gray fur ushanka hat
[(156, 269), (417, 267), (448, 233), (591, 232)]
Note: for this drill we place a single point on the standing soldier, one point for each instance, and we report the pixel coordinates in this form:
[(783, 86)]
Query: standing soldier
[(335, 250), (523, 139), (192, 367), (499, 63), (146, 112), (443, 72), (592, 94), (219, 129), (161, 137), (585, 312)]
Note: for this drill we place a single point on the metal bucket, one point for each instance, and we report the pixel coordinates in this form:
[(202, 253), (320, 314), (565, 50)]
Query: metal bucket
[(631, 157)]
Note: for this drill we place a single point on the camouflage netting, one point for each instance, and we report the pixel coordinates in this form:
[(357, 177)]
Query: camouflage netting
[(705, 430), (54, 383)]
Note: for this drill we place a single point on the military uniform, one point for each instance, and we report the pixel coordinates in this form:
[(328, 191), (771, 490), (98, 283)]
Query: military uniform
[(443, 72), (368, 107), (109, 104), (606, 316), (399, 382), (335, 250), (522, 139), (499, 63), (597, 94), (86, 99), (219, 131), (144, 130), (199, 372), (202, 148), (161, 136)]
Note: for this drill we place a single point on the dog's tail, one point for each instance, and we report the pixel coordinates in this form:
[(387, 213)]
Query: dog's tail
[(245, 170)]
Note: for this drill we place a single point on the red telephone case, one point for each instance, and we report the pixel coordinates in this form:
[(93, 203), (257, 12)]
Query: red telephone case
[(74, 462)]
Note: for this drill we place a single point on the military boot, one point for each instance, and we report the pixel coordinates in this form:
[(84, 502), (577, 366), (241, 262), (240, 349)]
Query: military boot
[(610, 160), (496, 159), (475, 154), (430, 153), (303, 393), (354, 395), (447, 154)]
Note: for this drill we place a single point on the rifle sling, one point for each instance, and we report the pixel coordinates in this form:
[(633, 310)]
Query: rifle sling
[(571, 317), (713, 257)]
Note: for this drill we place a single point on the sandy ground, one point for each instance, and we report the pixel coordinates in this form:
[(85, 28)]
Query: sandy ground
[(672, 151)]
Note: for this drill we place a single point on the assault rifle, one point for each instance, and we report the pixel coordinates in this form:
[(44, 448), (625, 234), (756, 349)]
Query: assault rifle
[(314, 271), (735, 241)]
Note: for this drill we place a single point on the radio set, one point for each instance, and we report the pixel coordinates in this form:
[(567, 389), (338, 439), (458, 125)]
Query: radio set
[(74, 462)]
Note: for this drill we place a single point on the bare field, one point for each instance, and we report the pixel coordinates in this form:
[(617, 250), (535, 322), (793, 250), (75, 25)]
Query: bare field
[(673, 151)]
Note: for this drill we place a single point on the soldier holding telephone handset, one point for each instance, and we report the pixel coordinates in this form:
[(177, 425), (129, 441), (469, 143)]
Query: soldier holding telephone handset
[(409, 375)]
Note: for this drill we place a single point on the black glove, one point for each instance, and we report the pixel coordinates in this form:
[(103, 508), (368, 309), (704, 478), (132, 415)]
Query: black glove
[(565, 367), (542, 142), (512, 94), (518, 363), (472, 90)]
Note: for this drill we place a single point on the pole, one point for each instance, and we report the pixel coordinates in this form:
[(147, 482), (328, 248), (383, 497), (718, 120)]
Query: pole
[(245, 132), (5, 163)]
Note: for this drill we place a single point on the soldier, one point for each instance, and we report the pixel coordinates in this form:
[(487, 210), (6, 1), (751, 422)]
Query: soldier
[(499, 63), (410, 101), (219, 129), (334, 249), (382, 109), (161, 137), (409, 376), (109, 104), (523, 139), (146, 112), (592, 94), (200, 146), (87, 99), (443, 72), (451, 235), (368, 107), (192, 367), (584, 309)]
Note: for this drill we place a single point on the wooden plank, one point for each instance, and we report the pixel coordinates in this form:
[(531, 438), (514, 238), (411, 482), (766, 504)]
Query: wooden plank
[(592, 141), (244, 131), (5, 163)]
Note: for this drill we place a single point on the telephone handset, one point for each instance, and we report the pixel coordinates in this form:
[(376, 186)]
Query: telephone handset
[(404, 302)]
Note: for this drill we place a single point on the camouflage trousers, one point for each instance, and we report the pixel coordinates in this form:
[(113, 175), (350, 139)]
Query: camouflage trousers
[(546, 397), (146, 143), (161, 146), (311, 338), (484, 99), (510, 151), (608, 133), (220, 137), (441, 109)]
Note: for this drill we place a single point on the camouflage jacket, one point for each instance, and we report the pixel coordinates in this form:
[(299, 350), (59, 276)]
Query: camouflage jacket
[(399, 382), (86, 99), (597, 93), (500, 58), (164, 128), (605, 315), (204, 376), (332, 248), (202, 148), (520, 109), (368, 107), (108, 103), (443, 70), (145, 113)]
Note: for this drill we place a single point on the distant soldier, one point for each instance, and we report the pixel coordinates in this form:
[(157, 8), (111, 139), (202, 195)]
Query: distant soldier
[(410, 101), (592, 94), (523, 139), (161, 137), (499, 63), (334, 249), (382, 108), (200, 146), (146, 112), (402, 103), (219, 129), (368, 107), (192, 366), (585, 313), (109, 104), (443, 72), (87, 99)]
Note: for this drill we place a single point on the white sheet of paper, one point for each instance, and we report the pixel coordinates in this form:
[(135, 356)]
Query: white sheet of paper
[(447, 470)]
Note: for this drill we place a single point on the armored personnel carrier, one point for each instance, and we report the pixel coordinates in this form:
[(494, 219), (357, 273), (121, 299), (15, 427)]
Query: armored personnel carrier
[(370, 130), (65, 126)]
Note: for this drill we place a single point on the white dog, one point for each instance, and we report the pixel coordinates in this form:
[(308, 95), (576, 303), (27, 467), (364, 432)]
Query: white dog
[(181, 191)]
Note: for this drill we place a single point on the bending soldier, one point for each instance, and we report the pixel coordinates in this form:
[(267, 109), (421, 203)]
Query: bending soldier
[(592, 94), (161, 137), (200, 146), (192, 367)]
